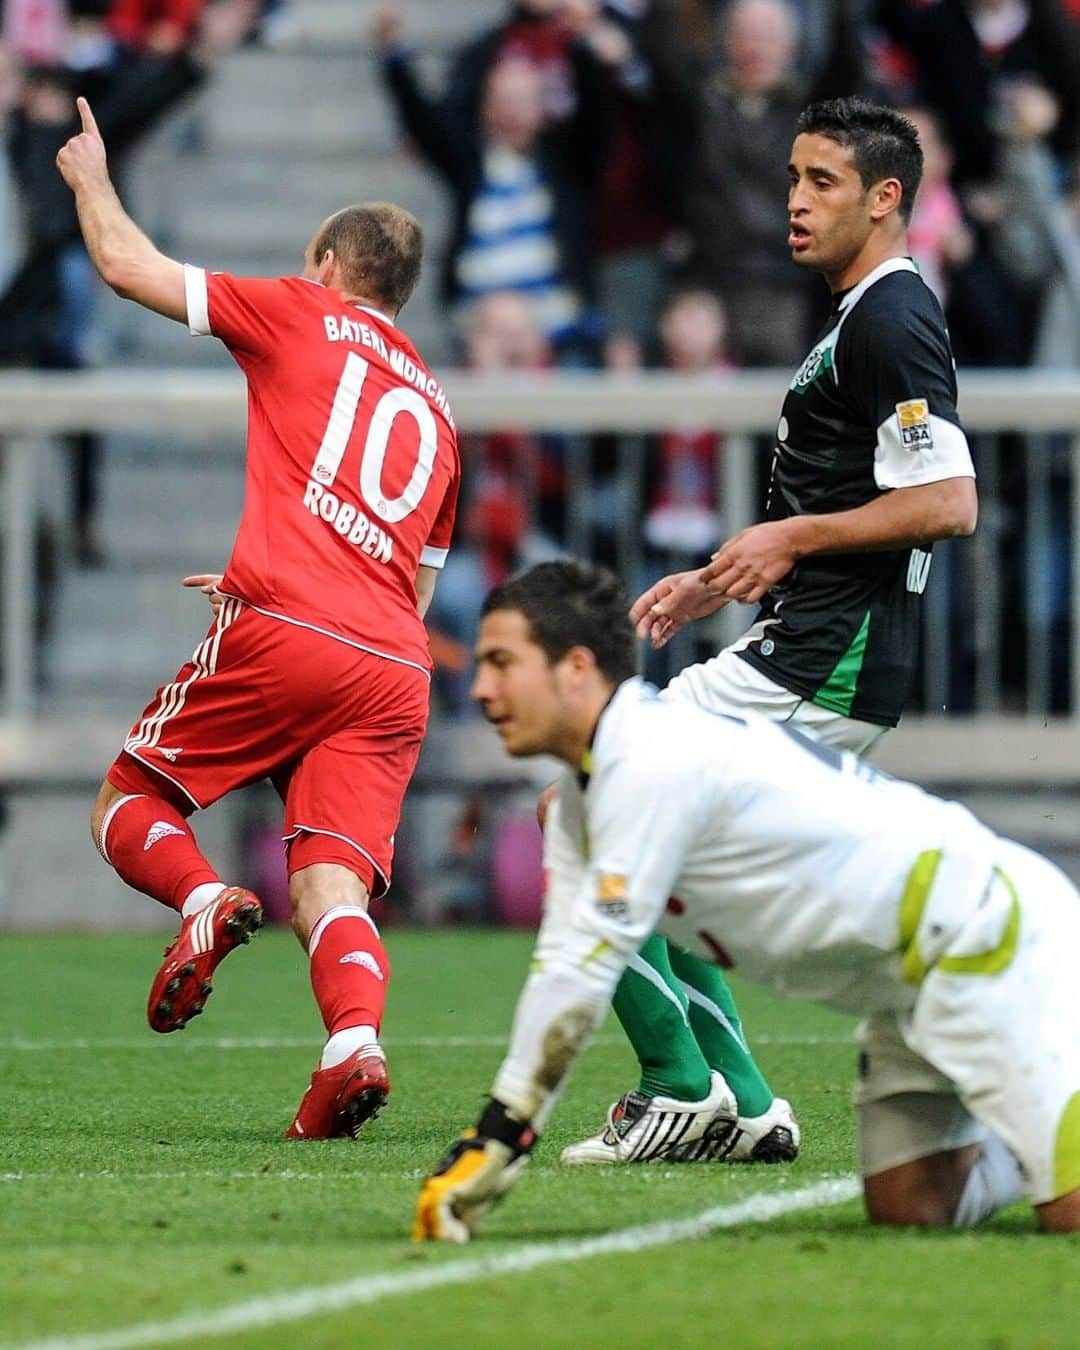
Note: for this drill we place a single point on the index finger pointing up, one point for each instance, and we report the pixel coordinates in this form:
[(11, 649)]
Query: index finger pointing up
[(89, 125)]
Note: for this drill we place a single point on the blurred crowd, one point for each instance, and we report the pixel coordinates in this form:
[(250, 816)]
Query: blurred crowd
[(599, 154), (135, 60)]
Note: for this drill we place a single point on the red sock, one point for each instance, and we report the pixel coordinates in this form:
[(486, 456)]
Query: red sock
[(349, 969), (151, 847)]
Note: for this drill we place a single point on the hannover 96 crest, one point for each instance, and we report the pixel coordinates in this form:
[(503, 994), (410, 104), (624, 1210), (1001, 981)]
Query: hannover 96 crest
[(816, 364)]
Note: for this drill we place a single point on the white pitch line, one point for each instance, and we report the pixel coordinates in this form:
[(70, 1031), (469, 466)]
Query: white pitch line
[(298, 1043), (318, 1300), (286, 1174)]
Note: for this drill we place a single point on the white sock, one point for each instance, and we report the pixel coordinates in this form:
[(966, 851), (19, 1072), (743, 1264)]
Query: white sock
[(342, 1044), (993, 1182), (200, 897)]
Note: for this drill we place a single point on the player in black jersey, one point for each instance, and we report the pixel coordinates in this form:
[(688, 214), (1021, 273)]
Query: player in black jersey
[(870, 468)]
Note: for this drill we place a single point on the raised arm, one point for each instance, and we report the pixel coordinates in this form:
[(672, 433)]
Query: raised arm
[(447, 144), (597, 912), (125, 258), (574, 974)]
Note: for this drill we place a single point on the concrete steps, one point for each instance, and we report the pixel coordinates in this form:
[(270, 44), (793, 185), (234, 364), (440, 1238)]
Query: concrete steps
[(137, 630), (336, 25), (159, 505), (123, 628)]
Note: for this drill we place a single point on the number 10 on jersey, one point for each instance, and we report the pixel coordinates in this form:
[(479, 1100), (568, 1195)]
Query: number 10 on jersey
[(377, 425)]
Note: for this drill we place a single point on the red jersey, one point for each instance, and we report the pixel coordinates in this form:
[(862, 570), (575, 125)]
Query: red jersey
[(352, 463)]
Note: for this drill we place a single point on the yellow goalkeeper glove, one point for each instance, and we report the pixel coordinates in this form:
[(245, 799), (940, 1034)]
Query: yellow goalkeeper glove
[(478, 1171)]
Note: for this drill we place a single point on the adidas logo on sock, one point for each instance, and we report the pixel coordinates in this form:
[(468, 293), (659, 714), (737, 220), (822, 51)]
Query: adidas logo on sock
[(161, 829), (364, 959)]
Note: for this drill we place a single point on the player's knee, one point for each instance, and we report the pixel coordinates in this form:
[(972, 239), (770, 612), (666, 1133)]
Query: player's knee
[(107, 794), (300, 926), (910, 1210), (316, 889), (307, 909)]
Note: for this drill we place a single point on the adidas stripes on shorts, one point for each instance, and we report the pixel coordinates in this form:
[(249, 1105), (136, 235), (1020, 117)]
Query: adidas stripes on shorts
[(336, 729)]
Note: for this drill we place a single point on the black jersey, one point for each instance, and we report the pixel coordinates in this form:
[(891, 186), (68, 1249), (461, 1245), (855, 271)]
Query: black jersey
[(873, 407)]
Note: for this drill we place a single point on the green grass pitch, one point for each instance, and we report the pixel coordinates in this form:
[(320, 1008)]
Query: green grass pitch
[(144, 1179)]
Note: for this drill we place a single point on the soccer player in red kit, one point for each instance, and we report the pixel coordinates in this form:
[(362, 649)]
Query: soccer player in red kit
[(316, 668)]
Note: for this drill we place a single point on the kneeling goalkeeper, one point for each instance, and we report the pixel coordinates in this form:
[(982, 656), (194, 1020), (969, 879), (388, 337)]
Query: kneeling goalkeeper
[(753, 845)]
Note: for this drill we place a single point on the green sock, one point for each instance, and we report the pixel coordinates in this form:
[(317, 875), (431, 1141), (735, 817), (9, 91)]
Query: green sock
[(714, 1020), (652, 1009)]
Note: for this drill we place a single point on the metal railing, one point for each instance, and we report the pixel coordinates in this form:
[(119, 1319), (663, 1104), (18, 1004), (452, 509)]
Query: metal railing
[(1003, 611)]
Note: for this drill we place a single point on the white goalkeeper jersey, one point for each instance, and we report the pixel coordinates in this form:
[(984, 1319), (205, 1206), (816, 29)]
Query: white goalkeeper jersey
[(749, 843)]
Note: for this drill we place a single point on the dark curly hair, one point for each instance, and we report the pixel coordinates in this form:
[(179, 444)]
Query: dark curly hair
[(573, 604)]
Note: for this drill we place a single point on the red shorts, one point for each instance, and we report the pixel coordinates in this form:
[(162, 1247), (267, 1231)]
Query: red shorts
[(336, 729)]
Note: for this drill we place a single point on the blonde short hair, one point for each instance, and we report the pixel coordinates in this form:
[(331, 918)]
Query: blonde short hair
[(379, 248)]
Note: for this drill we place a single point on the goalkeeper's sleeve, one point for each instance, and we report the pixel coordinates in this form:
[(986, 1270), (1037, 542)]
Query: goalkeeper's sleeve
[(561, 1005), (565, 997), (598, 911)]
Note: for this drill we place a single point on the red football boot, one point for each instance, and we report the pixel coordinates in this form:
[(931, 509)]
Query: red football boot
[(341, 1099), (182, 985)]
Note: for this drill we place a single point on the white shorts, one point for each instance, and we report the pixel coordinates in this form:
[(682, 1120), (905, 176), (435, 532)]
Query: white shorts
[(992, 1043), (728, 684)]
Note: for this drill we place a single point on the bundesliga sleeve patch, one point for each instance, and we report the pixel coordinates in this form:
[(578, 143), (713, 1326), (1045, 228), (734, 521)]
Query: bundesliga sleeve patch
[(913, 419), (611, 891)]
